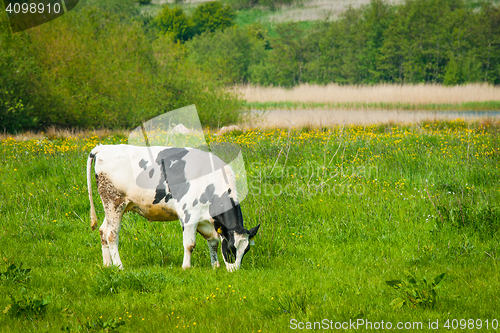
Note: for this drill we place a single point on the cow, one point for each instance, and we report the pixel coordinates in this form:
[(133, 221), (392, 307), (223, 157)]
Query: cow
[(167, 184)]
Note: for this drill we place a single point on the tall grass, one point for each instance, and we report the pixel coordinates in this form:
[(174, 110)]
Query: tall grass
[(382, 93), (314, 118)]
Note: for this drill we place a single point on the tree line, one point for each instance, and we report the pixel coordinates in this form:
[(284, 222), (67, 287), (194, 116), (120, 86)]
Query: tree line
[(418, 41), (102, 65), (105, 64)]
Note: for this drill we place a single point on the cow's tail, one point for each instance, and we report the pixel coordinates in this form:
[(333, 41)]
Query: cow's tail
[(93, 216)]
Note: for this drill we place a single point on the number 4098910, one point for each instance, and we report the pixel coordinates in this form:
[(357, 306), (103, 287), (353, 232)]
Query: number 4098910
[(33, 8), (471, 324)]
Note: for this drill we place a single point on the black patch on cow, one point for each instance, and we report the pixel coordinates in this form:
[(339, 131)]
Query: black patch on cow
[(228, 249), (208, 194), (187, 216), (184, 206), (159, 195), (223, 208), (229, 191), (195, 202), (172, 173), (91, 155), (143, 164), (151, 173)]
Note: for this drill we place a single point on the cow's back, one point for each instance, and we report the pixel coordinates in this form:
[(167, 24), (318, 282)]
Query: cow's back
[(157, 182)]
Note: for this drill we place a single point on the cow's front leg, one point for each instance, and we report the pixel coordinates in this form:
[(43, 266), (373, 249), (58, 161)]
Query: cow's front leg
[(189, 241), (213, 245)]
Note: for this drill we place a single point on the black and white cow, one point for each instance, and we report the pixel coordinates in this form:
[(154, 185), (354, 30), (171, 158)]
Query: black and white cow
[(168, 184)]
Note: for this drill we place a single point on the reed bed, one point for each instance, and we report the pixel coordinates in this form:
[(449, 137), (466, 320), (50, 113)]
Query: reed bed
[(387, 93), (315, 118)]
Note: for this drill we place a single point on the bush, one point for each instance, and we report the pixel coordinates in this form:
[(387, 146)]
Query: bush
[(175, 22), (212, 16), (229, 54), (188, 85), (16, 81)]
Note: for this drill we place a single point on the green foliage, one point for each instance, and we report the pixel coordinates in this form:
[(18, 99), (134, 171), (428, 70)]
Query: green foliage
[(189, 85), (212, 16), (98, 67), (16, 81), (143, 2), (14, 114), (207, 17), (29, 306), (414, 292), (15, 274), (485, 218), (98, 325), (126, 9), (174, 21), (271, 4), (433, 41), (229, 54), (288, 105)]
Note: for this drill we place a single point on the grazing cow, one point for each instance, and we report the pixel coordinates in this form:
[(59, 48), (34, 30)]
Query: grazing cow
[(168, 184)]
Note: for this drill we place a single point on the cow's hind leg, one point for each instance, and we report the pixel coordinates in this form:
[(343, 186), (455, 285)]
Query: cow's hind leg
[(115, 204), (106, 256), (109, 238)]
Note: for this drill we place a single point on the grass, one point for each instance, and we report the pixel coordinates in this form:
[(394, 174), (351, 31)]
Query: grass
[(343, 210), (466, 106)]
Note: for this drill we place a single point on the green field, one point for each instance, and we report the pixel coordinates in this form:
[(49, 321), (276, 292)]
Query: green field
[(467, 106), (342, 211)]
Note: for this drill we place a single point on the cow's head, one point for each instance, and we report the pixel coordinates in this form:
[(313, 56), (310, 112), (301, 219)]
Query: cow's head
[(235, 244)]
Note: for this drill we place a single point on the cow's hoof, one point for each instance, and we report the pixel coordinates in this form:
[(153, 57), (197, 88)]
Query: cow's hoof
[(216, 265), (185, 267)]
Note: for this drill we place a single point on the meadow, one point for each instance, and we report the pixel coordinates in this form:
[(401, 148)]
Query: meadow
[(343, 210)]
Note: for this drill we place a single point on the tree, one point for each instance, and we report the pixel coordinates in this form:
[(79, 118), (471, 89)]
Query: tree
[(212, 16), (175, 22)]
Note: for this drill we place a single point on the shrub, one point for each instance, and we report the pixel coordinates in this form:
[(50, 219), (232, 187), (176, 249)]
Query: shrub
[(415, 293), (174, 21), (229, 54), (212, 16)]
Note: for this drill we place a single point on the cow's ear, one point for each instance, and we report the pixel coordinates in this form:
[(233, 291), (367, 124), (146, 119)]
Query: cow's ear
[(253, 232), (221, 229)]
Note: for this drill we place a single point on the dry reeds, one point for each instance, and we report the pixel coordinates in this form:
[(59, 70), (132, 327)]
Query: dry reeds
[(52, 133), (326, 118), (387, 93)]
